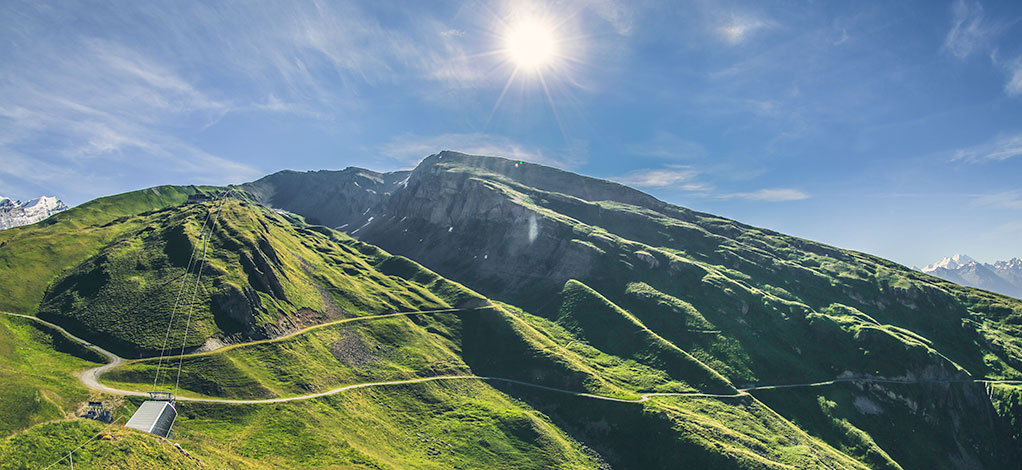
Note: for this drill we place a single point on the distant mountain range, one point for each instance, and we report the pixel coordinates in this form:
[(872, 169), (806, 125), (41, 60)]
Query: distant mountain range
[(16, 213), (1004, 277)]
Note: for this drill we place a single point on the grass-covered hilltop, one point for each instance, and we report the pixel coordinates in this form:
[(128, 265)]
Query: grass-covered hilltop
[(478, 312)]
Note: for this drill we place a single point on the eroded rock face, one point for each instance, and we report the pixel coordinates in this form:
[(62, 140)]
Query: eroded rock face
[(344, 199), (241, 306), (469, 227)]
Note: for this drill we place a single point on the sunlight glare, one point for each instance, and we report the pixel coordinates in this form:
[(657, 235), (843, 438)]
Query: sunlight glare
[(531, 44)]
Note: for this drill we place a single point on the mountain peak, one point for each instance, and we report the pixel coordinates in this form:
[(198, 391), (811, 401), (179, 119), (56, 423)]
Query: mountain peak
[(1014, 263), (952, 262), (1002, 276), (16, 213), (538, 176)]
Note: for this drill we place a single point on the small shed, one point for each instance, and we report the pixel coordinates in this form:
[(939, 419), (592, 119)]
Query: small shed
[(97, 412), (155, 416)]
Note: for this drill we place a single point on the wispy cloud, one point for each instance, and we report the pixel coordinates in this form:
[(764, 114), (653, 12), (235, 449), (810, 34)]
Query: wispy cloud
[(687, 178), (969, 31), (1003, 199), (668, 146), (409, 149), (617, 13), (1006, 231), (29, 177), (999, 149), (134, 99), (769, 195), (675, 176), (736, 28), (1014, 85), (102, 109)]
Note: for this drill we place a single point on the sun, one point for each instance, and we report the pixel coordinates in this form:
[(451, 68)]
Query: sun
[(531, 44), (541, 49)]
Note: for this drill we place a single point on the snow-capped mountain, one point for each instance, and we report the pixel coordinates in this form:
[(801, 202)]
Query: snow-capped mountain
[(15, 213), (1004, 277), (952, 262)]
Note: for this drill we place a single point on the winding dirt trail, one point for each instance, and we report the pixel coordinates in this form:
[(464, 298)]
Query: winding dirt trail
[(90, 377), (321, 325)]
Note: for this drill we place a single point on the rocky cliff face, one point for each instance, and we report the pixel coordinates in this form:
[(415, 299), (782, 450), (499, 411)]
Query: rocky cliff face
[(344, 199), (469, 220)]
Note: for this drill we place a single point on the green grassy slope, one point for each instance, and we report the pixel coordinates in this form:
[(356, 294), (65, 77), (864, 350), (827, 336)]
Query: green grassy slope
[(129, 273), (736, 433), (596, 320), (450, 425), (397, 427), (1007, 403), (378, 350), (36, 366), (32, 256), (454, 425), (263, 275), (870, 422), (687, 432), (425, 426), (104, 448)]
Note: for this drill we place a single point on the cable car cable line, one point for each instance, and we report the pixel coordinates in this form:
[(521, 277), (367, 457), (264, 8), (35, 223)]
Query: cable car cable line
[(173, 312)]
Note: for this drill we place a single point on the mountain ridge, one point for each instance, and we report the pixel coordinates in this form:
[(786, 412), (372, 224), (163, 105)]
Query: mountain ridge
[(1004, 276)]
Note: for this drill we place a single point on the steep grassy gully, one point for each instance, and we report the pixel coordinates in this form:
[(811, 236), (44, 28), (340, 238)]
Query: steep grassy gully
[(90, 377)]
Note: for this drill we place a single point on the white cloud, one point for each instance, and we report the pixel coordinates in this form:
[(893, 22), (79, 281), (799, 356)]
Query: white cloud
[(769, 195), (999, 149), (681, 177), (409, 149), (969, 32)]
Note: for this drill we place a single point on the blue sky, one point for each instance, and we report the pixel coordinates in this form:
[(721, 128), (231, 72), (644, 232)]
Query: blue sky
[(893, 128)]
